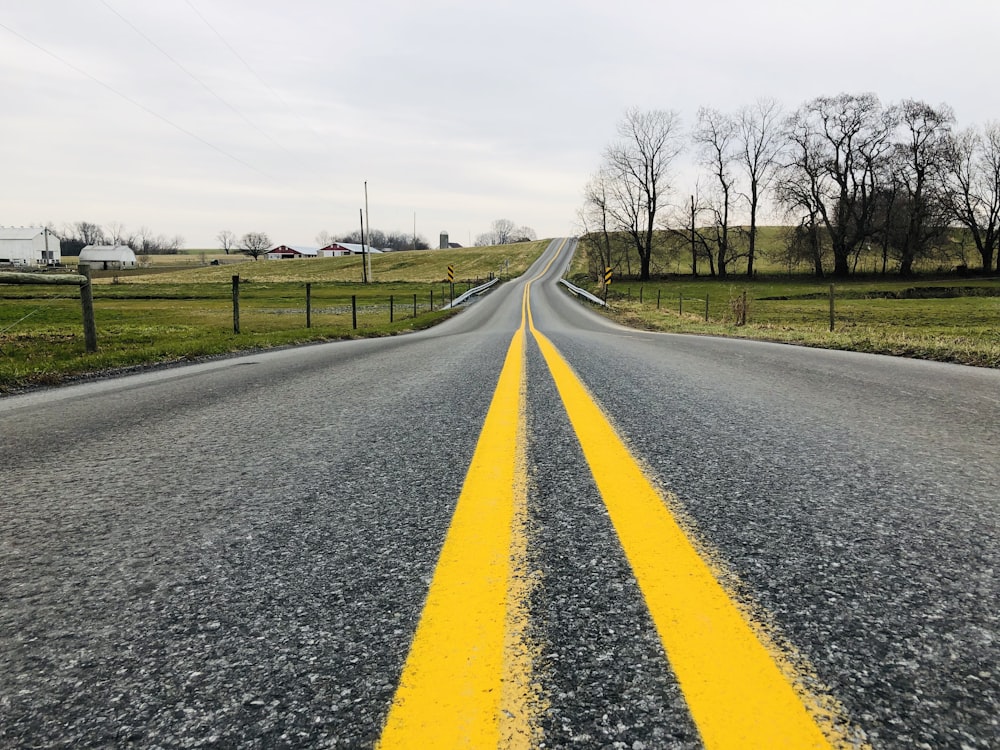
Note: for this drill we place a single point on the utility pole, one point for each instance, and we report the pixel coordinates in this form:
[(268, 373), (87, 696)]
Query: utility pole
[(364, 260), (368, 225), (694, 250)]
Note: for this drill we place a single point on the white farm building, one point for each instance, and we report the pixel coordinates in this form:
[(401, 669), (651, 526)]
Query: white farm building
[(107, 257), (29, 246)]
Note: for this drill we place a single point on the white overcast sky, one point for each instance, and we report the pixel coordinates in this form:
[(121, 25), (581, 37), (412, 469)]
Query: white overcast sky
[(193, 116)]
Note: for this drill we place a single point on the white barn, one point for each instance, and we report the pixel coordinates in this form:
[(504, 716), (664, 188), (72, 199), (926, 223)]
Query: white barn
[(337, 249), (108, 257), (29, 246), (285, 252)]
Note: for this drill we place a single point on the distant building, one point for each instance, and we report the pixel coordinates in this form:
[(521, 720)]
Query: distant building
[(108, 257), (292, 252), (29, 246), (337, 249)]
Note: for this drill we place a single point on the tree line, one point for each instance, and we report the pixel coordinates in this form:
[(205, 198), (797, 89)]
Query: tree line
[(256, 244), (76, 236), (852, 176), (505, 232)]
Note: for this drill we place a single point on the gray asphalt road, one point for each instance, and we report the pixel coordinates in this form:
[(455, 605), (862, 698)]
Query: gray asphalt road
[(236, 553)]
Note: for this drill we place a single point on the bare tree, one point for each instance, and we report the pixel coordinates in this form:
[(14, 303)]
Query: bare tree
[(921, 162), (524, 234), (598, 238), (115, 232), (227, 240), (689, 236), (851, 135), (715, 137), (502, 232), (255, 244), (637, 165), (801, 185), (973, 187), (89, 233), (760, 145)]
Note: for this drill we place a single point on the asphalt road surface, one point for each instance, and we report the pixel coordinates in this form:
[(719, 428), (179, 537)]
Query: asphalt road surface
[(238, 553)]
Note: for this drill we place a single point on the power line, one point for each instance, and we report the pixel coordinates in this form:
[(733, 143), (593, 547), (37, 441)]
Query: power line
[(192, 76), (277, 96), (237, 55), (135, 103)]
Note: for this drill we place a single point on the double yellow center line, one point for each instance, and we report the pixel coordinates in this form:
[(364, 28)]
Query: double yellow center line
[(468, 682)]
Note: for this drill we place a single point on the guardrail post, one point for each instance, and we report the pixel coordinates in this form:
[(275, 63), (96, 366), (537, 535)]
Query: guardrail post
[(87, 303)]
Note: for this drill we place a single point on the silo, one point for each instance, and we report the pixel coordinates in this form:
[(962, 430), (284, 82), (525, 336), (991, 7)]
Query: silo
[(444, 240)]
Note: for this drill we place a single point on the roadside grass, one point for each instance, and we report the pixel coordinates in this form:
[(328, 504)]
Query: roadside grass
[(174, 315), (41, 337), (946, 319), (170, 314), (426, 266)]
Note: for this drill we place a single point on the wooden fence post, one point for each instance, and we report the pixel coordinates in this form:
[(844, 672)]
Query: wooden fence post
[(354, 311), (236, 304), (87, 303), (308, 305), (391, 308), (831, 308)]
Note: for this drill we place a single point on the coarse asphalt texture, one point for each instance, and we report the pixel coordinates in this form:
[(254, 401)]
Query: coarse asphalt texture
[(236, 553)]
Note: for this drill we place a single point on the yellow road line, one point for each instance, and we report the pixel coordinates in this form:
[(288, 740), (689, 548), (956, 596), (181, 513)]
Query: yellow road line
[(467, 679), (736, 692)]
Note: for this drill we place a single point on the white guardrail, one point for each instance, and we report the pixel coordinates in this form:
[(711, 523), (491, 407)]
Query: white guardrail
[(471, 293), (483, 287), (583, 293)]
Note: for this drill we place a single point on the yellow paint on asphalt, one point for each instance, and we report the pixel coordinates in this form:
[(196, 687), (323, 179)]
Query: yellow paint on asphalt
[(467, 679), (736, 692)]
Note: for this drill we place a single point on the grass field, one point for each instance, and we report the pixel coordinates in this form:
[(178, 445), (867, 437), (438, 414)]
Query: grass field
[(950, 320), (167, 313)]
